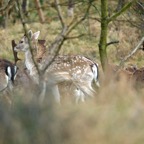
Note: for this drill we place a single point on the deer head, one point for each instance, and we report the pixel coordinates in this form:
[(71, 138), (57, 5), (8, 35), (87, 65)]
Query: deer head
[(23, 44)]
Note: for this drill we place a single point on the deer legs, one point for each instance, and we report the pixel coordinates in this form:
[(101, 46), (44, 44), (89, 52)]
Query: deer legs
[(43, 92), (55, 93), (79, 95), (52, 89)]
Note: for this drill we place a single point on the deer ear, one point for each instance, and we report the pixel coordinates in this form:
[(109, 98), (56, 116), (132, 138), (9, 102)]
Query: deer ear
[(30, 34), (36, 35)]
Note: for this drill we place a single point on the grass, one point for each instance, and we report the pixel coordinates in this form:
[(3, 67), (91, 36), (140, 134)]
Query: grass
[(114, 116)]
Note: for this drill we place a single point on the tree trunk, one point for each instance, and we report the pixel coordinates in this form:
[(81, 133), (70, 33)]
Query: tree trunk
[(105, 20), (40, 12), (103, 36), (3, 15), (70, 8), (25, 6)]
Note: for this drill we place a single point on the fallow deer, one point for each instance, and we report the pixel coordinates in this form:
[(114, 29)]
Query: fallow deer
[(77, 69), (7, 74), (41, 54), (22, 79)]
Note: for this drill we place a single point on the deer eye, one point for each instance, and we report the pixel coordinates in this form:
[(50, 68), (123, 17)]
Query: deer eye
[(21, 41)]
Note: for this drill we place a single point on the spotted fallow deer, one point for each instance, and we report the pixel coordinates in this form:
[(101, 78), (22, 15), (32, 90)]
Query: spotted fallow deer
[(77, 69), (7, 74)]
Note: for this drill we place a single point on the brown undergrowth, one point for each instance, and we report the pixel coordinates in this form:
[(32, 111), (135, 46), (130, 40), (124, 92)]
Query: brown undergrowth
[(114, 116)]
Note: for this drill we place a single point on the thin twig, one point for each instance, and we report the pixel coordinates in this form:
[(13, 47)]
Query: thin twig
[(55, 47), (94, 18), (58, 8), (81, 19), (112, 42), (10, 3), (125, 7), (54, 50), (140, 5), (131, 53)]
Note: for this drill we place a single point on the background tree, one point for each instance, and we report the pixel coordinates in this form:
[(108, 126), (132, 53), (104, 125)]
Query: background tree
[(70, 8), (25, 7), (105, 20), (120, 4), (40, 12)]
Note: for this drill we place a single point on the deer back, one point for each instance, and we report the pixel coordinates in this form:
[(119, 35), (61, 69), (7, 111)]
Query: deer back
[(70, 67)]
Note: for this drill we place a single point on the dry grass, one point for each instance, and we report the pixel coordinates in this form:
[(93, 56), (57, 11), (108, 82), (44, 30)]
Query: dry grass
[(114, 116)]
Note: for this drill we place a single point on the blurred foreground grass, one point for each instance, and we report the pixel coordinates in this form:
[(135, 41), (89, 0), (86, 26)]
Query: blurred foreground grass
[(114, 116)]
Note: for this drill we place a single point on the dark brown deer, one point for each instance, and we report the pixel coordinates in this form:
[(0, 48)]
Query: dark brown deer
[(8, 72)]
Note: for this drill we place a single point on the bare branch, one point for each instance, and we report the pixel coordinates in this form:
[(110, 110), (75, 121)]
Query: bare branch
[(40, 12), (125, 7), (113, 42), (132, 52), (72, 26), (8, 5), (26, 32), (55, 47), (58, 8), (140, 5), (54, 50), (94, 18)]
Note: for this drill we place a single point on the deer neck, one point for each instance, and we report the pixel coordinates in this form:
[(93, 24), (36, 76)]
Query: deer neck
[(29, 63)]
